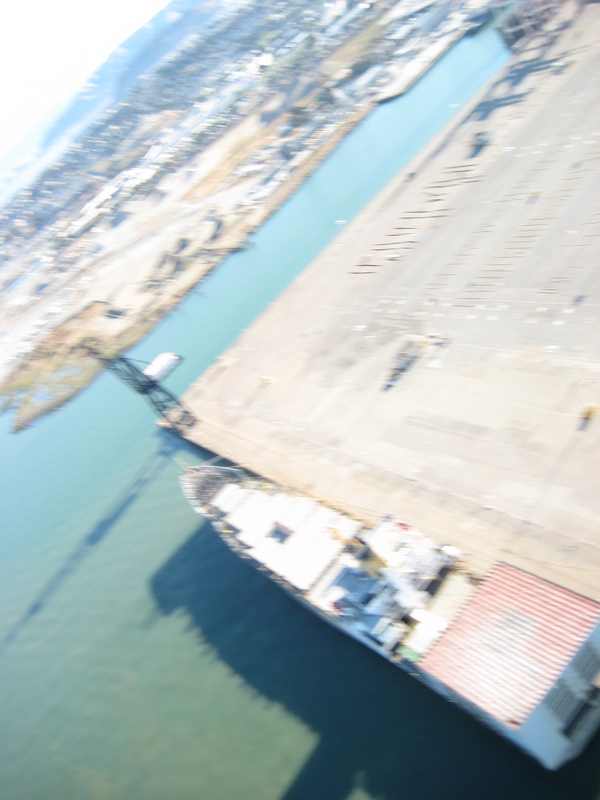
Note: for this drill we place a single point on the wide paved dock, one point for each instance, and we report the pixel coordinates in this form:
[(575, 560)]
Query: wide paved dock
[(487, 261)]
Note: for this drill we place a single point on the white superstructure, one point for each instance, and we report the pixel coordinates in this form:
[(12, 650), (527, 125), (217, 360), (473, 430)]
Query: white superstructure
[(521, 654)]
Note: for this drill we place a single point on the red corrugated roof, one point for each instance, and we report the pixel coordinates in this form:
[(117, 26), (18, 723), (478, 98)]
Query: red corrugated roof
[(512, 641)]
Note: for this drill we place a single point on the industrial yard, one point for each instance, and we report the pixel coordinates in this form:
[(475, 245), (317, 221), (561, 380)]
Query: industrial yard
[(439, 359)]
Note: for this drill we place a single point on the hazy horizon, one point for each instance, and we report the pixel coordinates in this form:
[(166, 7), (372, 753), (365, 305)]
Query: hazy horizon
[(48, 51)]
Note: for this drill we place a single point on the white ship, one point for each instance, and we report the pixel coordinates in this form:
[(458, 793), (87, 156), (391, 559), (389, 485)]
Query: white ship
[(519, 653)]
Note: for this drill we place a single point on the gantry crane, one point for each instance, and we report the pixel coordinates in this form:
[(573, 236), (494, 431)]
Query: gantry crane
[(167, 405)]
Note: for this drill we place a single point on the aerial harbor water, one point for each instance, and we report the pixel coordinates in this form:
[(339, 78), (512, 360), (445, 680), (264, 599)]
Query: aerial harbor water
[(139, 658)]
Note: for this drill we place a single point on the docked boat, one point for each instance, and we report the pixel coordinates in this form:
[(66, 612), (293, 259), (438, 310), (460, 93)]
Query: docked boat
[(518, 652), (374, 584)]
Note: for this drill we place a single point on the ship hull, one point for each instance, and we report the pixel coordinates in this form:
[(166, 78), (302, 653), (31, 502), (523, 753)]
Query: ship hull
[(377, 585)]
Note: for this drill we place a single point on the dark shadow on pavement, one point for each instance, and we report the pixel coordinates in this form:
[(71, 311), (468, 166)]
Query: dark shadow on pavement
[(501, 92)]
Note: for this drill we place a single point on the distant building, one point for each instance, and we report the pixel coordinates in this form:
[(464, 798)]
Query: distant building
[(524, 655)]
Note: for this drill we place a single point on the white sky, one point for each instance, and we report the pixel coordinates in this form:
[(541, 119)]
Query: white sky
[(49, 47)]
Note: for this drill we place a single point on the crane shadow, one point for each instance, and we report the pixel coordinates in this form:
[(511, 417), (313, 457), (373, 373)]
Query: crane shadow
[(143, 478)]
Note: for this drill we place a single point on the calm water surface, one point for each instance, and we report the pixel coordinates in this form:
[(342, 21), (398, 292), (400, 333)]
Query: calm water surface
[(138, 657)]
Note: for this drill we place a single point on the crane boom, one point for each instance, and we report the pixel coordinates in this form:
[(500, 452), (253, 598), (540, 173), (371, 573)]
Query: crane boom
[(164, 402)]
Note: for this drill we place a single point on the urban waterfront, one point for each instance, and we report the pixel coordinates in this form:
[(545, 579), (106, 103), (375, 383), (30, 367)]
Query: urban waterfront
[(138, 656)]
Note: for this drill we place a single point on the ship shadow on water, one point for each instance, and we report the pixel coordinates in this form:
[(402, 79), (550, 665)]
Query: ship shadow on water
[(378, 729)]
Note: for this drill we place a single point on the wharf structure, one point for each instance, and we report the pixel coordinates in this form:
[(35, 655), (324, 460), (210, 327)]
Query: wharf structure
[(484, 260)]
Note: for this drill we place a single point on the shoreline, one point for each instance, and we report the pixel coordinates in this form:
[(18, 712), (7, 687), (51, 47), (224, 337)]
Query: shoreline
[(27, 411)]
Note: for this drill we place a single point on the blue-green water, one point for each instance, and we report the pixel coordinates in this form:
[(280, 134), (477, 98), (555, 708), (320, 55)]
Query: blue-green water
[(138, 657)]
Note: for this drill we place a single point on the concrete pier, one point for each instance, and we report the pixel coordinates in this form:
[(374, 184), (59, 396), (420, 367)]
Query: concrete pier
[(484, 260)]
